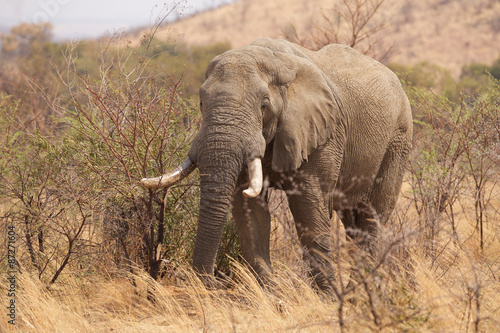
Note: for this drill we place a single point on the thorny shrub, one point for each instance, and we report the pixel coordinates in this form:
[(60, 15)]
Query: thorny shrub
[(455, 159)]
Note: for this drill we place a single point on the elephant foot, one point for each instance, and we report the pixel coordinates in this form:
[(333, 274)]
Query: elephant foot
[(325, 282), (225, 280), (219, 280)]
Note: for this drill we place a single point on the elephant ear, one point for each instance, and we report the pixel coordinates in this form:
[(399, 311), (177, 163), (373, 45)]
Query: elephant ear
[(310, 114)]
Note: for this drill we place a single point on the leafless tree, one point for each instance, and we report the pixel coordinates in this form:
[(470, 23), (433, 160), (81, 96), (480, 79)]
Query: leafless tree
[(357, 23)]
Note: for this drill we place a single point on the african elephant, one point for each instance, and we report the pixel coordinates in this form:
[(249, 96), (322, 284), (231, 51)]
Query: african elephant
[(333, 128)]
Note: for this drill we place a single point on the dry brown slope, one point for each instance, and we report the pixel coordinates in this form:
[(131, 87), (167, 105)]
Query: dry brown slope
[(450, 33), (243, 21)]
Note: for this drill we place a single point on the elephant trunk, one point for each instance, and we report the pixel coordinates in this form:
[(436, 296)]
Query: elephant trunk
[(220, 163), (217, 188)]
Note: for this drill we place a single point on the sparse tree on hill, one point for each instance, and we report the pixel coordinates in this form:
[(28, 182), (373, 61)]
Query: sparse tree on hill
[(23, 38), (356, 23)]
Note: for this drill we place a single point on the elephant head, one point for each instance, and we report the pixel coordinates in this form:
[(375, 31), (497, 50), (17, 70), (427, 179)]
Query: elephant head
[(265, 101)]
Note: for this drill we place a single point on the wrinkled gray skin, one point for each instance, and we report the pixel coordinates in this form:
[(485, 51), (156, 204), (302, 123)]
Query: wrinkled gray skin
[(333, 128)]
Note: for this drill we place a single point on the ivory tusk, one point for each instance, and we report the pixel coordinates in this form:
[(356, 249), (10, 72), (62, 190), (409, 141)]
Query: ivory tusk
[(171, 178), (255, 176)]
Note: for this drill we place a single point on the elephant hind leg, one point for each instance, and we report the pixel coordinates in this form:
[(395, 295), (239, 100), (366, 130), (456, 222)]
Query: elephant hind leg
[(389, 179), (363, 219), (362, 222)]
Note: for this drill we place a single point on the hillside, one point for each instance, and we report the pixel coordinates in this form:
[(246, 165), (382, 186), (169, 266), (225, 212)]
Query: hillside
[(449, 33)]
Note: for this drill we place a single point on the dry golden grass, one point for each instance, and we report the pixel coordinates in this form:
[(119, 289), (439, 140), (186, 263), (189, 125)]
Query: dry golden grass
[(456, 290)]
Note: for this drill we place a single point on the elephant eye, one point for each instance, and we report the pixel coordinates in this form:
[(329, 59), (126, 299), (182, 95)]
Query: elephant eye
[(265, 105)]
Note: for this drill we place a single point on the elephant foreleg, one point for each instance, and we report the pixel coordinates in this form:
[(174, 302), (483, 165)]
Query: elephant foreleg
[(312, 221), (253, 224)]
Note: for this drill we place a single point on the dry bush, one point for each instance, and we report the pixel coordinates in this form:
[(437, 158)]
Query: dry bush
[(455, 159), (42, 201), (356, 23), (72, 193)]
